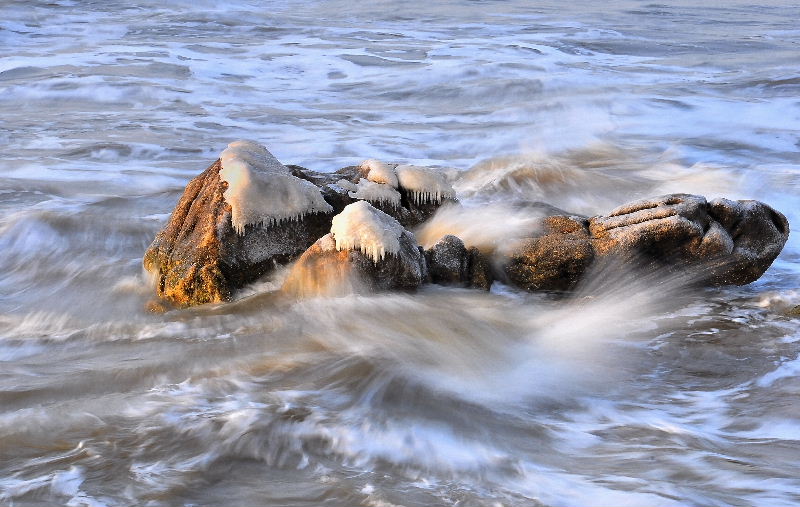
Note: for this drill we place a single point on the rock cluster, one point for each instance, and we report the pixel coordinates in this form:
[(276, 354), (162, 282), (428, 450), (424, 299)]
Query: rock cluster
[(199, 257), (726, 242)]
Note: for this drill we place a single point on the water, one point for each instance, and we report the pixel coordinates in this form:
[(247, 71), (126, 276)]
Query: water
[(634, 392)]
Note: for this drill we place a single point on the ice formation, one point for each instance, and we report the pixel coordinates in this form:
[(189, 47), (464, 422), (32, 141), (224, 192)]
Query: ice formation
[(424, 184), (379, 172), (362, 226), (263, 191), (369, 191)]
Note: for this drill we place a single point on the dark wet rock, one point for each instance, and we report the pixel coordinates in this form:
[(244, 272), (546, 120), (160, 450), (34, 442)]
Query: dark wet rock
[(724, 241), (412, 213), (451, 263), (324, 270), (199, 258), (479, 273), (448, 261)]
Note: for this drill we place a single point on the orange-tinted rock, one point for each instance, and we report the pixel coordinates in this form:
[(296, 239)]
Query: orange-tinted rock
[(324, 270), (198, 257)]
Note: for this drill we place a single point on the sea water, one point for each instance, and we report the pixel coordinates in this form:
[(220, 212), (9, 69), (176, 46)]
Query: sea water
[(633, 391)]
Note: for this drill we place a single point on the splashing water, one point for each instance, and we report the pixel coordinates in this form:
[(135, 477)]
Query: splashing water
[(635, 390)]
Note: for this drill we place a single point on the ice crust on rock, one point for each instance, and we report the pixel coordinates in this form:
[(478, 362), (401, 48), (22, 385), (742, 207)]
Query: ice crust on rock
[(424, 184), (361, 226), (379, 172), (263, 191), (370, 191)]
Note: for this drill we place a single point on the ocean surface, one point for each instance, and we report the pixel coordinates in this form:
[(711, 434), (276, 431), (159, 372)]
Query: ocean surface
[(632, 392)]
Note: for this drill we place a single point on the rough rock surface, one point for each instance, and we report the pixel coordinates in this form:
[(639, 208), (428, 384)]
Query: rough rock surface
[(324, 270), (451, 263), (556, 259), (480, 272), (728, 242), (199, 258)]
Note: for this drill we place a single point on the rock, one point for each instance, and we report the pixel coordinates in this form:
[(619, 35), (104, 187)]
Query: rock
[(758, 234), (670, 228), (553, 261), (727, 242), (450, 263), (410, 213), (479, 272), (199, 258), (335, 265)]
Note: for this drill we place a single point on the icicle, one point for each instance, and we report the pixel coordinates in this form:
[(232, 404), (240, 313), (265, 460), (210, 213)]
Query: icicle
[(424, 184)]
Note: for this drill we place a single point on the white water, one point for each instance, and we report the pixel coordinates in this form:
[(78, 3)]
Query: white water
[(634, 392)]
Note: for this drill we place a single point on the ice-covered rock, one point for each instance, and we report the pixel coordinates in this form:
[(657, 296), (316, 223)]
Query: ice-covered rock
[(380, 172), (362, 227), (227, 232), (365, 250), (376, 193), (410, 206)]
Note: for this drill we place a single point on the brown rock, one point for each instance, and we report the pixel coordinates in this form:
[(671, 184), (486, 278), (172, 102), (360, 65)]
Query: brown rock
[(671, 228), (728, 242), (554, 261), (731, 242)]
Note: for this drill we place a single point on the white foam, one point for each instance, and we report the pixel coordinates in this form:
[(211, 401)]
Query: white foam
[(361, 226), (424, 184), (262, 191), (379, 172), (370, 191), (488, 227)]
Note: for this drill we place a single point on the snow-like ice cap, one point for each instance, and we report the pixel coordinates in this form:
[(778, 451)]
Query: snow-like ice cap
[(379, 172), (424, 184), (361, 226), (369, 191), (263, 191)]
